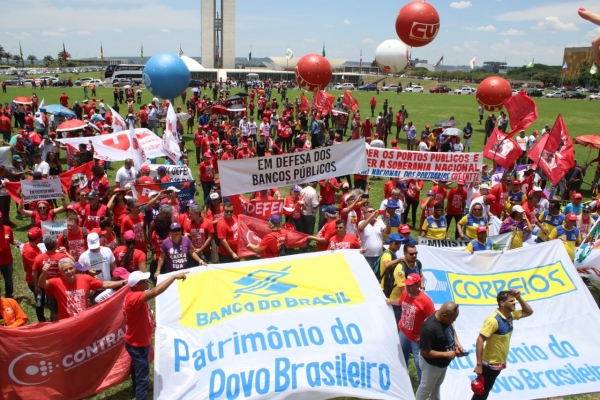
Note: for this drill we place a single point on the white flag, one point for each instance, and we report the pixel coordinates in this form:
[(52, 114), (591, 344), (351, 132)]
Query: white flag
[(472, 63), (289, 54), (170, 144), (118, 123), (138, 155), (43, 103)]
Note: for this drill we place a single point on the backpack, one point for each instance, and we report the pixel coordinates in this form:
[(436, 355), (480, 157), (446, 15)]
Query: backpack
[(83, 231), (376, 265), (389, 282), (283, 250)]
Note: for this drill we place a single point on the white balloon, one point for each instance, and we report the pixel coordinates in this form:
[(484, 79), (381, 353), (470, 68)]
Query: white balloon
[(391, 56)]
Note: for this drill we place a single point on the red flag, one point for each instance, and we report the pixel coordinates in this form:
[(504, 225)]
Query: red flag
[(252, 230), (85, 174), (502, 149), (12, 188), (40, 363), (527, 184), (554, 152), (239, 203), (64, 55), (323, 101), (263, 209), (304, 106), (522, 112), (349, 101)]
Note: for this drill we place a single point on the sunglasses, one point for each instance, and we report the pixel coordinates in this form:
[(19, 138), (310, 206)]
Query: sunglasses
[(412, 254), (339, 227), (42, 208), (228, 212), (83, 195)]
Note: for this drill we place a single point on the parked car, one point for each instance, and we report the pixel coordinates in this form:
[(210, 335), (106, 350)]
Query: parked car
[(344, 86), (368, 87), (594, 96), (440, 89), (414, 89), (120, 82), (535, 93), (576, 95), (195, 83), (556, 94), (14, 81), (389, 88), (81, 81), (464, 90)]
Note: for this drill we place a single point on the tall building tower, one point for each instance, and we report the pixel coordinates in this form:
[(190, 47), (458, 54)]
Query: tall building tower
[(218, 33)]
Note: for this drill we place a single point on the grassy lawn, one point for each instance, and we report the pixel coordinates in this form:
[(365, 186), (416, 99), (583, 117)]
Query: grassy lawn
[(423, 108)]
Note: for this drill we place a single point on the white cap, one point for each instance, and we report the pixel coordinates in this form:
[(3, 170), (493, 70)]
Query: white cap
[(537, 189), (518, 208), (93, 241), (173, 188), (136, 276), (214, 196), (484, 186)]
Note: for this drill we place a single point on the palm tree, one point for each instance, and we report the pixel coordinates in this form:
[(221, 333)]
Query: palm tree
[(31, 58), (48, 60), (17, 59), (8, 57), (60, 58)]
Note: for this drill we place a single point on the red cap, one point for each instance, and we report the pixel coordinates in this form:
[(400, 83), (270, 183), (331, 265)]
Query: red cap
[(101, 163), (516, 182), (426, 126), (228, 147), (394, 141), (491, 197), (482, 228), (215, 134), (224, 142), (404, 228), (34, 233), (577, 196), (412, 279), (145, 168), (461, 182), (244, 145), (571, 216)]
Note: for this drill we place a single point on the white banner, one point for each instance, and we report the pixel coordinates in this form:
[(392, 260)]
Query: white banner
[(177, 173), (41, 190), (587, 261), (424, 165), (54, 228), (117, 146), (252, 174), (169, 139), (553, 352), (499, 242), (310, 326)]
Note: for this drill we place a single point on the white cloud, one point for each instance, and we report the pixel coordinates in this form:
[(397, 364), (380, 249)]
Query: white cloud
[(460, 4), (310, 40), (164, 30), (486, 28), (593, 33), (566, 9), (367, 40), (61, 29), (53, 33), (513, 32), (117, 30), (467, 45), (83, 33), (347, 22), (554, 24)]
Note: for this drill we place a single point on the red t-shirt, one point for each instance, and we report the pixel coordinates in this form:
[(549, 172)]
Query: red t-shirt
[(72, 298), (199, 232), (456, 198), (47, 258), (140, 323), (136, 225), (349, 241), (414, 189), (440, 194), (288, 203), (327, 232), (91, 218), (75, 244), (212, 216), (328, 192), (118, 213), (145, 179), (387, 189), (28, 256), (207, 172), (37, 218), (501, 194), (6, 238), (271, 244), (138, 257), (227, 229), (156, 243), (414, 312)]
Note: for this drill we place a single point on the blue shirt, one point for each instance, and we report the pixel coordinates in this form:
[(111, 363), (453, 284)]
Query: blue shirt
[(314, 128), (572, 208), (478, 246)]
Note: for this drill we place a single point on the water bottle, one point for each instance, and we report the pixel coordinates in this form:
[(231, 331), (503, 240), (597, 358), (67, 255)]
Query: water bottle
[(38, 300)]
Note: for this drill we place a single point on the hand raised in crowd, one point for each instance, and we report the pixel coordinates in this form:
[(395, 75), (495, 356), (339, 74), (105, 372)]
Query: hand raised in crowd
[(594, 18)]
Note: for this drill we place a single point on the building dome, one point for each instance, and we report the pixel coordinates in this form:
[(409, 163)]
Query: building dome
[(191, 64)]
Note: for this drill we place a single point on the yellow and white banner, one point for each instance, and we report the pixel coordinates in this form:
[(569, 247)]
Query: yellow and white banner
[(309, 326), (553, 352)]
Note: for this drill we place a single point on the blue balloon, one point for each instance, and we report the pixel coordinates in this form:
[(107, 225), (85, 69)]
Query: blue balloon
[(166, 75)]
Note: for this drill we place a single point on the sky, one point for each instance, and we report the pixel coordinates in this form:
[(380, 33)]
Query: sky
[(490, 30)]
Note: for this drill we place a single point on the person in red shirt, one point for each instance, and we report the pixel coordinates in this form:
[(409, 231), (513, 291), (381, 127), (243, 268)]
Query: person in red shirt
[(293, 207), (134, 221), (143, 115), (343, 240), (457, 200), (44, 211), (162, 174), (327, 193), (416, 308), (28, 255), (327, 231), (93, 212), (71, 289), (128, 256), (73, 239), (11, 313), (500, 191), (145, 175), (244, 152), (140, 325), (5, 126), (227, 234), (413, 194), (389, 186), (271, 244), (439, 192), (228, 154), (64, 100), (367, 128), (201, 232), (6, 259), (373, 104), (207, 175), (118, 207)]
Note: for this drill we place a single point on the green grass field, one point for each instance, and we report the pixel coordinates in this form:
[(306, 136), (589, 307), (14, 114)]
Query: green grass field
[(423, 108)]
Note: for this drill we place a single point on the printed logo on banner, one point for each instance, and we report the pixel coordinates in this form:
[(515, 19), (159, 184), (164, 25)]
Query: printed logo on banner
[(537, 283), (277, 286)]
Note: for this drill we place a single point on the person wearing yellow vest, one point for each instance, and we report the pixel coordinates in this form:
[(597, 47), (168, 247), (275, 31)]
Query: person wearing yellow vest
[(434, 226), (568, 233)]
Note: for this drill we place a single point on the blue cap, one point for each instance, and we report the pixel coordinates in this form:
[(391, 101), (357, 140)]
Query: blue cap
[(296, 188), (402, 186), (391, 203), (394, 237), (191, 203), (275, 219), (175, 225), (330, 210)]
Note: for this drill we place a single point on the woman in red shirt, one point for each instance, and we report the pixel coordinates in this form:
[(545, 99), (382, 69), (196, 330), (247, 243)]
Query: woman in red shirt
[(99, 184), (207, 175), (107, 233), (413, 194), (44, 211), (161, 228), (128, 256), (293, 207), (118, 206)]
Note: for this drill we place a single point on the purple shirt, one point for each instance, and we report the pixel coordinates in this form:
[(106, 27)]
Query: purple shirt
[(177, 254)]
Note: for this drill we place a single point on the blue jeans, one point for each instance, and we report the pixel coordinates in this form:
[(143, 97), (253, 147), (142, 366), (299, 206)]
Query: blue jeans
[(140, 370), (7, 273), (408, 347)]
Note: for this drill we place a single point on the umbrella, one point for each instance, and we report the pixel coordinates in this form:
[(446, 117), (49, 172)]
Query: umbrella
[(233, 98), (588, 140), (243, 94), (236, 108), (447, 123), (452, 132), (195, 90), (336, 111), (183, 116), (72, 125), (58, 110), (22, 100), (219, 110)]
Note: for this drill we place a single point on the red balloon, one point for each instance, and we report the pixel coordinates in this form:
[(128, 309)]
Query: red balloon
[(313, 72), (417, 24), (492, 92)]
